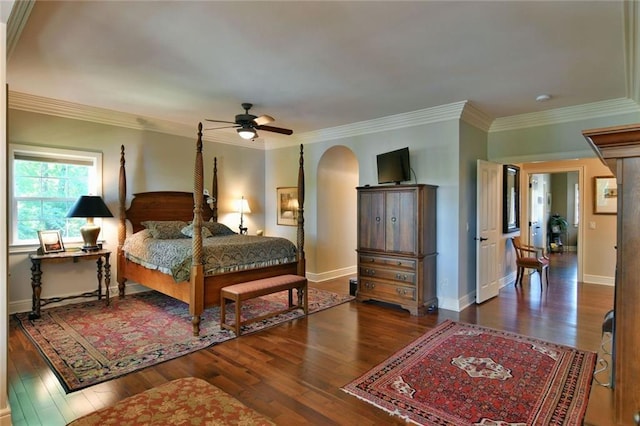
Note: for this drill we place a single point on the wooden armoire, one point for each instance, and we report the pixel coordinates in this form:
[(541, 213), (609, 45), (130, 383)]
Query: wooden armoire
[(619, 148), (397, 246)]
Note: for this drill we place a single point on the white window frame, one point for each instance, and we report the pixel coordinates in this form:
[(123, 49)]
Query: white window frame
[(95, 181)]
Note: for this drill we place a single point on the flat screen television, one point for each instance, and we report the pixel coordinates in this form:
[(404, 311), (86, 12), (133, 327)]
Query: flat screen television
[(394, 167)]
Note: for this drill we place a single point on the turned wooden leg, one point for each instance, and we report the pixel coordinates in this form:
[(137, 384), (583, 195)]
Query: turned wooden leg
[(195, 322)]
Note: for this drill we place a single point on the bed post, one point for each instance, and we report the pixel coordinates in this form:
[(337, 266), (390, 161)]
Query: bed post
[(214, 190), (196, 299), (301, 255), (122, 221)]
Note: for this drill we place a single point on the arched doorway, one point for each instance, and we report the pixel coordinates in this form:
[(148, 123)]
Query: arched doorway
[(337, 209)]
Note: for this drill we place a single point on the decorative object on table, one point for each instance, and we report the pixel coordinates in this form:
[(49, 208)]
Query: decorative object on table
[(89, 206), (556, 230), (50, 242), (605, 196), (89, 343), (467, 374), (242, 207), (287, 205), (511, 201), (173, 403)]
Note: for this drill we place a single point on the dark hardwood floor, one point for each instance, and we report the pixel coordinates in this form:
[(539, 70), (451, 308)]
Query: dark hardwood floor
[(293, 372)]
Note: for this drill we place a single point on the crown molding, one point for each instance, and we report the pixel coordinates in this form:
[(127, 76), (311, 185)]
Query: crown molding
[(463, 110), (566, 114), (64, 109), (392, 122), (632, 58), (20, 12)]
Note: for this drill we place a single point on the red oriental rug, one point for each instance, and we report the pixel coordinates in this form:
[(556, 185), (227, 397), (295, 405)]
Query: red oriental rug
[(465, 374), (89, 343)]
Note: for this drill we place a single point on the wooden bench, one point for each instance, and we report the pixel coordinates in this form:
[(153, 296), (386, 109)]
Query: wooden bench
[(252, 289)]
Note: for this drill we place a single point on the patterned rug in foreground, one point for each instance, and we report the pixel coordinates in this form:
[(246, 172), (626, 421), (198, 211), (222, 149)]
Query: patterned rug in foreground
[(89, 343), (185, 401), (464, 374)]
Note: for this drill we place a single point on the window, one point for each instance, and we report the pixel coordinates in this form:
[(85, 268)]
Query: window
[(45, 182)]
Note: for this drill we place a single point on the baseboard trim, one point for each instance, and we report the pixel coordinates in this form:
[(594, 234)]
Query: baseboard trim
[(330, 275), (598, 279), (25, 305)]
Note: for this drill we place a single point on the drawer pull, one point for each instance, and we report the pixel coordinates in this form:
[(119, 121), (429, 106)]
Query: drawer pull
[(377, 218), (393, 219), (402, 291)]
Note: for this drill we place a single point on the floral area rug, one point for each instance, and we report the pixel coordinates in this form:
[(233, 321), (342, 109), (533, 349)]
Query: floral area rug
[(89, 343), (464, 374), (185, 401)]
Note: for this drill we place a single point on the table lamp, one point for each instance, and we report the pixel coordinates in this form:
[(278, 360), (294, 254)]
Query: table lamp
[(242, 206), (89, 206)]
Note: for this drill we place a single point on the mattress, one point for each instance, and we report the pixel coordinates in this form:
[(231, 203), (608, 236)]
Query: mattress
[(226, 253)]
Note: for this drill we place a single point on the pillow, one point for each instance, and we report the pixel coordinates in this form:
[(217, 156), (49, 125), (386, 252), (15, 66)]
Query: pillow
[(217, 228), (188, 231), (165, 229)]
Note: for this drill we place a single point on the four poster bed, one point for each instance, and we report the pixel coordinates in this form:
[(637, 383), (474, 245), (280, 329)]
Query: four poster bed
[(161, 222)]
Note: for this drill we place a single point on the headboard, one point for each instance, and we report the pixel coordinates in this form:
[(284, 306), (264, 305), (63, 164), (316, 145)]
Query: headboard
[(163, 205)]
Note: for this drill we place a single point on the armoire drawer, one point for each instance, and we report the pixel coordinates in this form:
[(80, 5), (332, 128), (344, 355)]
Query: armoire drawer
[(395, 262), (383, 291), (406, 277)]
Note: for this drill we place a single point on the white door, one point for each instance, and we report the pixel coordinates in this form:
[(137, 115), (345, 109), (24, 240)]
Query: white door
[(488, 230), (536, 210)]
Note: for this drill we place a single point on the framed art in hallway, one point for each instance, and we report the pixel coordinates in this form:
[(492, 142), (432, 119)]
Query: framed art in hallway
[(287, 205), (605, 197), (50, 242)]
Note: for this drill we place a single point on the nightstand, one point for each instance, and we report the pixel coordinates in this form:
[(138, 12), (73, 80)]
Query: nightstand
[(104, 268)]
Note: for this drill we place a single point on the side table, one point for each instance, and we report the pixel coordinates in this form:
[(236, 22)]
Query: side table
[(102, 260)]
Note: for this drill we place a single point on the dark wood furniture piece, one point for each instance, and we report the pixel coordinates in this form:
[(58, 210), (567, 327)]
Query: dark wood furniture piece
[(397, 246), (238, 293), (104, 269), (619, 148), (200, 291)]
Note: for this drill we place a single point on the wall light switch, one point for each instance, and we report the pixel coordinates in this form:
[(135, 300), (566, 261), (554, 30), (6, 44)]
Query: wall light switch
[(592, 225)]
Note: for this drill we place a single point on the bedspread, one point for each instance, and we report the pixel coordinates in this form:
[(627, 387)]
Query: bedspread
[(226, 253)]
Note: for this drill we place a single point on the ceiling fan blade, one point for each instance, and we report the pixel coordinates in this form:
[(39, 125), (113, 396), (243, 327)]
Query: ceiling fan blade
[(275, 130), (263, 119), (223, 127), (220, 121)]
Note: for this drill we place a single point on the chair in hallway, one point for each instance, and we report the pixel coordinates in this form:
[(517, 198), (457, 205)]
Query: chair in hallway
[(530, 257)]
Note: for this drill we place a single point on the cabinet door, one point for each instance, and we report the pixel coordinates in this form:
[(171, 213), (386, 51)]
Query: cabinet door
[(402, 221), (371, 220)]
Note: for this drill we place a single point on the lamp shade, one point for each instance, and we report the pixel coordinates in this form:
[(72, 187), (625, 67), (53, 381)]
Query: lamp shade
[(89, 206), (242, 206)]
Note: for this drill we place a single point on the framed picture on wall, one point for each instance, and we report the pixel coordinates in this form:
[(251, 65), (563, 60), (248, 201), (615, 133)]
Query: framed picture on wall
[(287, 204), (50, 242), (605, 197)]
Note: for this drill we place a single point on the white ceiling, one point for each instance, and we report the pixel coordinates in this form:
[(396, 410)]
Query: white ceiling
[(317, 65)]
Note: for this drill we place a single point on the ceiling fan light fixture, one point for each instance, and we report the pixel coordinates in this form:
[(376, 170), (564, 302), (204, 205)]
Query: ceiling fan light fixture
[(247, 133)]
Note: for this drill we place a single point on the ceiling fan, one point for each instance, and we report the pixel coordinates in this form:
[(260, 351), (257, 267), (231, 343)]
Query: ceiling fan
[(247, 124)]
